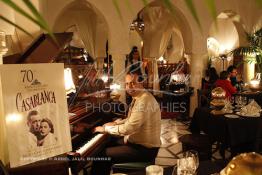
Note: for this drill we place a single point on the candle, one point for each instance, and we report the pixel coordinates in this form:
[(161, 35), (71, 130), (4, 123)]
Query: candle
[(154, 170)]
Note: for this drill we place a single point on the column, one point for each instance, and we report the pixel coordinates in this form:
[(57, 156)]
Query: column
[(3, 139), (150, 73), (3, 48), (119, 74), (153, 79), (198, 65), (248, 72)]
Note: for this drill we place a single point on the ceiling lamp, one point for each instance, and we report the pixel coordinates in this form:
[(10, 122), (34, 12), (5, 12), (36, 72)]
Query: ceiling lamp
[(138, 24)]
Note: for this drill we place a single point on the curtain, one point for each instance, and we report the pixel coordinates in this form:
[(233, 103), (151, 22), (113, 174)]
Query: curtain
[(166, 36), (164, 41), (155, 41)]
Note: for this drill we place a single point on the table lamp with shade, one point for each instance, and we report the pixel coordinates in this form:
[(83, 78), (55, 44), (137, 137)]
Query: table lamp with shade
[(69, 83), (255, 84), (115, 95)]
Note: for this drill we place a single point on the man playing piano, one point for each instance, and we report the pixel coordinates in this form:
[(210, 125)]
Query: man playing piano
[(140, 130)]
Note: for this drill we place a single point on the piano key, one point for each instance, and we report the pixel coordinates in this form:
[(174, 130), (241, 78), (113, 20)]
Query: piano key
[(89, 144)]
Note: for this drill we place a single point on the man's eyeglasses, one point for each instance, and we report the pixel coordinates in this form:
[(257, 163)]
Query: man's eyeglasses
[(130, 84)]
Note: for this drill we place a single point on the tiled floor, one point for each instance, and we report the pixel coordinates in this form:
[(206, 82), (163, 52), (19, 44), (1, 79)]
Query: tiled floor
[(171, 130), (171, 148)]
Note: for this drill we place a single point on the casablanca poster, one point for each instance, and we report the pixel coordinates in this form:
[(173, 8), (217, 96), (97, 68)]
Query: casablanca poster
[(35, 112)]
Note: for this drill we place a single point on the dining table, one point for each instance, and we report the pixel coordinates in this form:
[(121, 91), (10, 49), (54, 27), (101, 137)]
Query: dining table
[(239, 133), (250, 95), (205, 168)]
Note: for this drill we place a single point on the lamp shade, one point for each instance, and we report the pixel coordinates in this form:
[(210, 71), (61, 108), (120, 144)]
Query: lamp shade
[(115, 87), (69, 84)]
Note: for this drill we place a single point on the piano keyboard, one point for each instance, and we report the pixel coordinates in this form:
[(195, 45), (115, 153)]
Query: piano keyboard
[(89, 144)]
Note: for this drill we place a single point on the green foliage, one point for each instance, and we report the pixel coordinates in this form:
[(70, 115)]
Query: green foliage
[(259, 2), (116, 4), (35, 17), (252, 52), (15, 25), (192, 9), (211, 6)]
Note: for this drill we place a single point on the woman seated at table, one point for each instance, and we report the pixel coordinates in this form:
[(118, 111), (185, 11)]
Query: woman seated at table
[(211, 77), (224, 82)]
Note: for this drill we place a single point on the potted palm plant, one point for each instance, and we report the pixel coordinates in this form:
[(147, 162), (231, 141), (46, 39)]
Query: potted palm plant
[(253, 54)]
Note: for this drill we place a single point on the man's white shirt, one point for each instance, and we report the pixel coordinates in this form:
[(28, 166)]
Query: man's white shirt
[(143, 123)]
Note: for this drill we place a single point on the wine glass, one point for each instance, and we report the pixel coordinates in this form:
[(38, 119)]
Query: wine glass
[(193, 159), (244, 101), (182, 166), (238, 101), (188, 164)]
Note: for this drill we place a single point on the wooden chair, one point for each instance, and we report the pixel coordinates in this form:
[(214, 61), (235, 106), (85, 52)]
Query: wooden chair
[(198, 142)]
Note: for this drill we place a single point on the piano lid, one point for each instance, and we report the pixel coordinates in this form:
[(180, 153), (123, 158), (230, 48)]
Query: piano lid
[(42, 50)]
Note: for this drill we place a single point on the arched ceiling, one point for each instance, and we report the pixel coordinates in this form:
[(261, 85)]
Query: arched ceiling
[(90, 25), (158, 21)]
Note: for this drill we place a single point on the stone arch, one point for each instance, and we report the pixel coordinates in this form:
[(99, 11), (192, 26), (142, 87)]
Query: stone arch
[(92, 20), (174, 54), (177, 22), (258, 23), (229, 32)]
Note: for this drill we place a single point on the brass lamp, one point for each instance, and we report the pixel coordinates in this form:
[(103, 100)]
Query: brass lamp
[(255, 84), (115, 91), (245, 163)]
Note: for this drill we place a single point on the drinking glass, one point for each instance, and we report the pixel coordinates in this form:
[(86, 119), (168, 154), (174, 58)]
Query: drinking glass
[(154, 170), (193, 159), (244, 101), (238, 101), (188, 164)]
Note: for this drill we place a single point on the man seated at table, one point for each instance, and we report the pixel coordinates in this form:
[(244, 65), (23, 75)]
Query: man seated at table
[(232, 71), (224, 82)]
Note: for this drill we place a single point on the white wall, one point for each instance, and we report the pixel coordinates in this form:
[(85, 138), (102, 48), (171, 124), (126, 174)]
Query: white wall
[(227, 36), (9, 14)]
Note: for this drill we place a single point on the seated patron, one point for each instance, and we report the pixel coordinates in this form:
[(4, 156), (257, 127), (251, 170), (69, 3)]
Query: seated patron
[(224, 82), (232, 71), (211, 77)]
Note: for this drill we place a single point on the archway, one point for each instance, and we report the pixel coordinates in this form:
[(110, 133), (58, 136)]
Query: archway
[(222, 39), (88, 23), (160, 32)]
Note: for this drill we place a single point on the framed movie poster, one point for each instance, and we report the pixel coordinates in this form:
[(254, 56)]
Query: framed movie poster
[(35, 112)]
